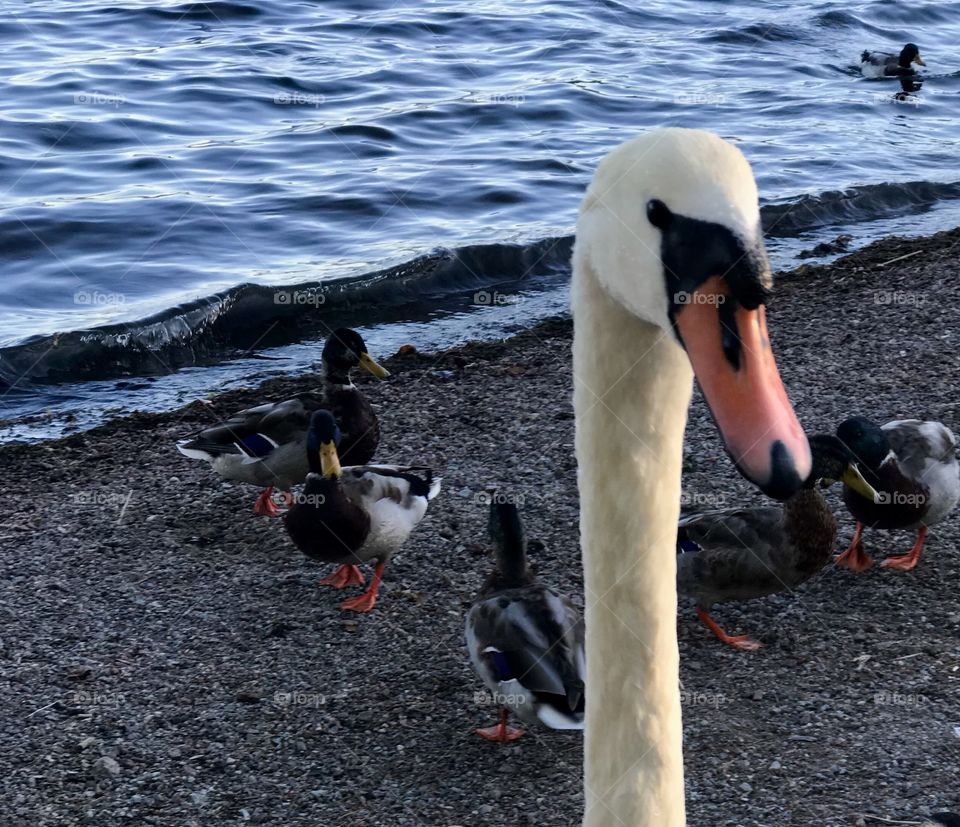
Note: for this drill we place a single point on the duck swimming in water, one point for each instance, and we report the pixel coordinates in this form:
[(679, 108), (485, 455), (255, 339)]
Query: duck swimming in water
[(885, 64)]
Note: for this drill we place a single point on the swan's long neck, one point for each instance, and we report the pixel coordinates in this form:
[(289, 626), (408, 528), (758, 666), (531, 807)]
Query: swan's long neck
[(632, 388)]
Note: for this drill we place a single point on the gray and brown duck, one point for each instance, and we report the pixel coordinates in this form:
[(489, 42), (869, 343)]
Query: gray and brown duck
[(746, 553), (264, 446), (525, 639)]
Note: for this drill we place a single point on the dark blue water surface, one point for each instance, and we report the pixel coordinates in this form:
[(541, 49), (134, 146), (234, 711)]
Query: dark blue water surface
[(156, 156)]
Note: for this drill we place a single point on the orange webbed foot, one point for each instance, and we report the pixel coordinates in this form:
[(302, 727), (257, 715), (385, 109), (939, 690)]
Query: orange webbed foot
[(902, 562), (362, 603), (500, 733), (908, 561), (343, 577), (854, 558), (742, 643), (265, 504)]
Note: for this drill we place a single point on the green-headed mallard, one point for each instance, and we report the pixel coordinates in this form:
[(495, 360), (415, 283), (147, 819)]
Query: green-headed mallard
[(744, 553), (264, 445), (525, 640), (885, 64), (913, 466), (351, 515)]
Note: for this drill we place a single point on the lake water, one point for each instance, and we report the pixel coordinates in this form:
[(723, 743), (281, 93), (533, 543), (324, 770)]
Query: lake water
[(195, 192)]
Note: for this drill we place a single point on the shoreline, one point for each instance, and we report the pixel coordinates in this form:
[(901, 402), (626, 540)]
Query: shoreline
[(884, 251), (172, 655)]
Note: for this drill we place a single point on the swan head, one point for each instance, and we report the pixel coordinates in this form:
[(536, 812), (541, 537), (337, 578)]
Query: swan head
[(670, 227)]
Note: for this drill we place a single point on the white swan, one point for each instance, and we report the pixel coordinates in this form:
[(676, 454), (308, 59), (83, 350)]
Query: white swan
[(668, 250)]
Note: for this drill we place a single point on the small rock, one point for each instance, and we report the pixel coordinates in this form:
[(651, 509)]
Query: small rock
[(80, 673), (106, 767)]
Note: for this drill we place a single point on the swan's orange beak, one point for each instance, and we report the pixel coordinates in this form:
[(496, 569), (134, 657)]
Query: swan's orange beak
[(733, 363)]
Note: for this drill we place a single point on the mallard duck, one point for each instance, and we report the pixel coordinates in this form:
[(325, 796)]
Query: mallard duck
[(525, 640), (913, 466), (744, 553), (884, 64), (265, 445), (942, 820), (351, 515)]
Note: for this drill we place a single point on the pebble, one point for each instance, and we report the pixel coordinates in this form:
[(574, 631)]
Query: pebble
[(402, 675), (106, 767)]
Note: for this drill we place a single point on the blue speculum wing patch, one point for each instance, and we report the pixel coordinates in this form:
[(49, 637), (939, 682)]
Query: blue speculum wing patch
[(257, 445), (687, 547), (500, 665)]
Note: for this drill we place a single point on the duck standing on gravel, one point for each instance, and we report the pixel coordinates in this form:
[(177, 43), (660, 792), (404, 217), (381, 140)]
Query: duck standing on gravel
[(265, 445), (913, 466), (884, 64), (525, 640), (745, 553), (351, 515)]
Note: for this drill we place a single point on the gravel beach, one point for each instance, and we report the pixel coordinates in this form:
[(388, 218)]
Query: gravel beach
[(168, 658)]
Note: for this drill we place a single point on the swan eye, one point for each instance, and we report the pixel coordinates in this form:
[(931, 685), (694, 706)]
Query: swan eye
[(658, 213)]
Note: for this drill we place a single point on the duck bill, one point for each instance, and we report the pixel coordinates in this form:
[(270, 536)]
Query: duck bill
[(734, 365), (368, 364), (329, 461), (852, 478), (919, 61)]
